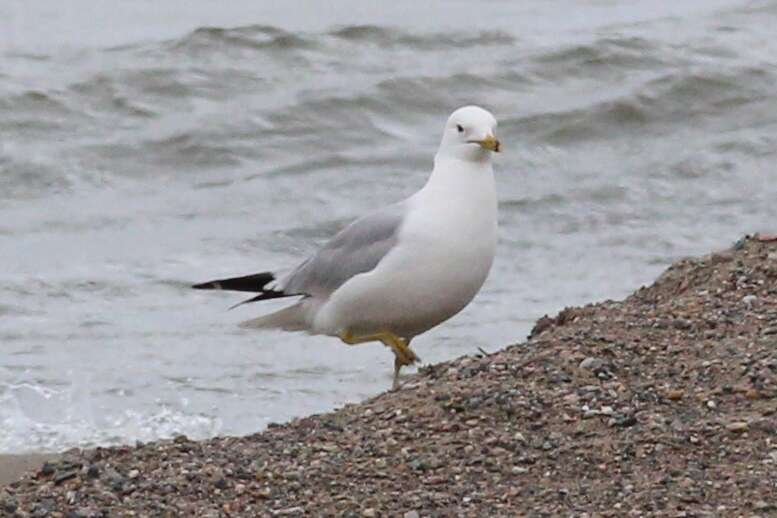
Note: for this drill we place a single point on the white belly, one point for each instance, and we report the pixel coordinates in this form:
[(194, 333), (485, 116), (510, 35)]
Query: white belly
[(444, 253)]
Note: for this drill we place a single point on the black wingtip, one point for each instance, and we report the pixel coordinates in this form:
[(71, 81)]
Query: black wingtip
[(267, 295), (211, 285), (254, 283)]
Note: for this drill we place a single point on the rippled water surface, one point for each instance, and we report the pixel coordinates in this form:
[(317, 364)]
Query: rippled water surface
[(152, 144)]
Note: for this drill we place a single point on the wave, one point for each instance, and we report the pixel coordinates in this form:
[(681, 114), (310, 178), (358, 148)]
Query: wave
[(182, 152), (615, 55), (392, 37), (679, 96), (27, 179), (255, 37), (35, 112), (105, 93), (33, 101), (269, 38), (682, 94), (41, 419)]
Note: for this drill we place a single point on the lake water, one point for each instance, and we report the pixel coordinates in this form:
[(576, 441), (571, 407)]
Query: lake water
[(146, 145)]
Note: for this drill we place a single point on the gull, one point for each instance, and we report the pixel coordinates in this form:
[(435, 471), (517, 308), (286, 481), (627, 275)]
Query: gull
[(402, 270)]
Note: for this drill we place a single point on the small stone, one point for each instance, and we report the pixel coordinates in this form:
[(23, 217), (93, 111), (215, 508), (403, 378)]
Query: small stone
[(625, 421), (682, 324), (711, 405), (749, 300), (674, 394), (9, 505), (240, 489), (93, 471), (47, 469), (591, 363), (369, 513), (133, 474), (737, 427), (65, 475), (411, 514)]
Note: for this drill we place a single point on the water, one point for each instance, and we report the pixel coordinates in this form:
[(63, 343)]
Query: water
[(165, 144)]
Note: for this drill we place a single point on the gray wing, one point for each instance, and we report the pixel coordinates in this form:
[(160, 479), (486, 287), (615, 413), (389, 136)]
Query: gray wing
[(358, 248)]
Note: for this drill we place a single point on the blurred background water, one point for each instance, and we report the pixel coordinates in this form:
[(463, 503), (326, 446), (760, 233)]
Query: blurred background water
[(145, 145)]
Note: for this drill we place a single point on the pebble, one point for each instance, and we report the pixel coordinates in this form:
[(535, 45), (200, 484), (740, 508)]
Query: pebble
[(289, 511), (9, 505), (411, 514), (675, 394), (738, 427), (591, 363), (93, 471)]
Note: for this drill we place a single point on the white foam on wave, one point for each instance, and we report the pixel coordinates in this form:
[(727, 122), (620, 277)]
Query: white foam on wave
[(34, 418)]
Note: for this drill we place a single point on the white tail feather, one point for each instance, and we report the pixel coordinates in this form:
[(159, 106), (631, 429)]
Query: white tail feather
[(291, 318)]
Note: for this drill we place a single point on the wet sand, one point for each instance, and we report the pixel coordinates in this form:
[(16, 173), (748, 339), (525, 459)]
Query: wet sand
[(12, 467)]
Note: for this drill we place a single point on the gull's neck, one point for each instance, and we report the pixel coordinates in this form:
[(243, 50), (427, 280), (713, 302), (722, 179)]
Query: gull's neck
[(459, 173), (463, 153)]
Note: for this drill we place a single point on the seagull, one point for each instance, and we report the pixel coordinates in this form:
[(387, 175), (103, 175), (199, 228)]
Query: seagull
[(404, 269)]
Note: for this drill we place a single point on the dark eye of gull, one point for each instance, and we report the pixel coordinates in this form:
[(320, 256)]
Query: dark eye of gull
[(458, 127)]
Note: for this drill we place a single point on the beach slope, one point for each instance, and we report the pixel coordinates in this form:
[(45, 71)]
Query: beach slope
[(663, 404)]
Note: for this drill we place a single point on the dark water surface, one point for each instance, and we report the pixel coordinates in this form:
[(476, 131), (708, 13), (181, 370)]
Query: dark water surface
[(145, 146)]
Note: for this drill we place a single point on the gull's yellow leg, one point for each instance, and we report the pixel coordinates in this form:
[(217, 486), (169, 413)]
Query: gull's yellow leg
[(351, 339), (403, 355)]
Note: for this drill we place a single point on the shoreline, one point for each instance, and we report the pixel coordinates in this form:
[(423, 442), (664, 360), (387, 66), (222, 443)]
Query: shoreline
[(660, 404), (14, 465)]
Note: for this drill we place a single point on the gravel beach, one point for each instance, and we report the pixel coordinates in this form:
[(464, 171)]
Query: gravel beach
[(663, 404)]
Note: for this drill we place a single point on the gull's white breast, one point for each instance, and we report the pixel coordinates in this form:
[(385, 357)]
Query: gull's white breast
[(445, 249)]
